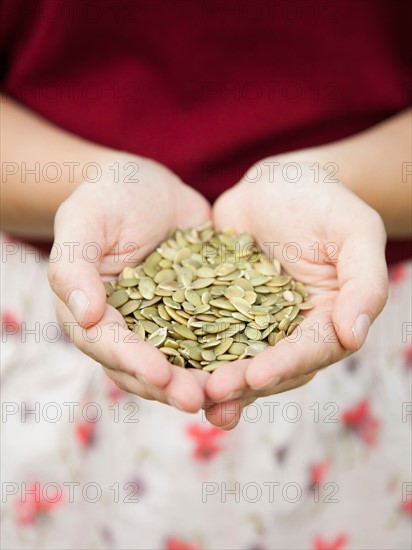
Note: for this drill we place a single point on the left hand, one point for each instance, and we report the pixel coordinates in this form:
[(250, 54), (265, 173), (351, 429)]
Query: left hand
[(336, 249)]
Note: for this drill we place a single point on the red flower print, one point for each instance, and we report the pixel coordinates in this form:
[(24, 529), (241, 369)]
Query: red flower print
[(34, 503), (135, 489), (114, 393), (10, 323), (360, 420), (408, 356), (337, 544), (85, 433), (205, 440), (397, 273), (407, 506), (178, 544), (318, 472)]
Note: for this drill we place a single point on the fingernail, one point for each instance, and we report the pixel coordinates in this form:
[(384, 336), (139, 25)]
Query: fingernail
[(231, 424), (78, 304), (274, 382), (231, 396), (174, 404), (208, 405), (360, 329)]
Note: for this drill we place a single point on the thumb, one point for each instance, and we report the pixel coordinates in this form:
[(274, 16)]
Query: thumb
[(363, 282), (192, 209), (231, 210), (73, 266)]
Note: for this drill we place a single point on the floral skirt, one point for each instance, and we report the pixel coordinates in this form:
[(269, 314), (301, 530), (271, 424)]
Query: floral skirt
[(87, 466)]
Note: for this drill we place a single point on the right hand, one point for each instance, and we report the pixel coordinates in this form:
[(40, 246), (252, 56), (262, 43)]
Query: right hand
[(124, 221)]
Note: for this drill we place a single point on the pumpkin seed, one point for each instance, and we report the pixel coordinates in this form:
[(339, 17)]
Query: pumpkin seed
[(179, 361), (205, 273), (208, 355), (223, 346), (202, 283), (118, 298), (185, 332), (147, 288), (225, 269), (129, 307), (305, 306), (222, 304), (193, 297), (139, 330), (234, 291), (149, 326), (214, 365), (237, 348), (128, 273), (205, 298), (169, 351), (128, 283), (227, 357), (158, 337), (255, 347), (150, 265)]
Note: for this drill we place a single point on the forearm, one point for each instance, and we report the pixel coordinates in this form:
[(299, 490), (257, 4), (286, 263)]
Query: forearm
[(376, 165), (29, 143)]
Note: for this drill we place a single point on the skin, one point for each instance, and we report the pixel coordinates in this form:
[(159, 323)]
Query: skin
[(348, 279), (307, 212), (100, 213)]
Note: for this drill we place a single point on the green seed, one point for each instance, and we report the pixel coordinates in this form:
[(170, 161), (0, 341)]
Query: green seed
[(184, 332), (147, 288), (128, 283), (237, 348), (205, 298), (202, 283), (158, 337), (223, 346), (129, 307), (118, 298), (108, 287), (208, 355)]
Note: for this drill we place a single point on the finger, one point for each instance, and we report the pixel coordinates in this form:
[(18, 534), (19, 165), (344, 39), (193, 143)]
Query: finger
[(73, 277), (201, 378), (183, 391), (313, 345), (226, 211), (130, 384), (228, 382), (191, 208), (363, 281), (228, 415), (110, 343)]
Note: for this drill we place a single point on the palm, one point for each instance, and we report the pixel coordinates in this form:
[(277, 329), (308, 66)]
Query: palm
[(127, 220), (123, 223), (292, 224), (311, 228)]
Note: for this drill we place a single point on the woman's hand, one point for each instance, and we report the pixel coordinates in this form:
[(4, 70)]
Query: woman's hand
[(325, 237), (101, 228)]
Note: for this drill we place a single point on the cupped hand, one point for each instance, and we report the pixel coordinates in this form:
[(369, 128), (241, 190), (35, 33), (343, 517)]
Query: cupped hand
[(100, 229), (325, 237)]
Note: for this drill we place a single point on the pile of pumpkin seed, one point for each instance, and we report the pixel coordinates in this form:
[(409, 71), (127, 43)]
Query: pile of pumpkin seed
[(205, 298)]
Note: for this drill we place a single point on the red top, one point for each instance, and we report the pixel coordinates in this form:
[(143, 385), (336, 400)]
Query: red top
[(208, 87)]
